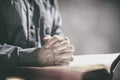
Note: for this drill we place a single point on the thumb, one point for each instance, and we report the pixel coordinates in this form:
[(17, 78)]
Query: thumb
[(46, 38)]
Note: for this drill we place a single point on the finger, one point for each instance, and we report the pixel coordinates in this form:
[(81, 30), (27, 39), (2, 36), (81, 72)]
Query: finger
[(69, 49), (61, 46), (46, 38), (62, 63), (66, 38), (52, 41), (58, 42), (65, 55)]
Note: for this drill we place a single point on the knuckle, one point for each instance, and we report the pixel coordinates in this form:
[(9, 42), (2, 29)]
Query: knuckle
[(66, 43), (48, 44), (56, 37), (55, 48), (66, 38), (71, 51), (72, 47)]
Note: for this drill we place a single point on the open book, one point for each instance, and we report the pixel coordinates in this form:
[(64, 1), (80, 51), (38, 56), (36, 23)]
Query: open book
[(96, 61), (84, 67)]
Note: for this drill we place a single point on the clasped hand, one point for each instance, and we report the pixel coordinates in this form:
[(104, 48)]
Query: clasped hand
[(56, 51)]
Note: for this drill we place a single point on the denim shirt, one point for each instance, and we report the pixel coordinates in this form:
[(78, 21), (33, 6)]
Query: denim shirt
[(23, 24)]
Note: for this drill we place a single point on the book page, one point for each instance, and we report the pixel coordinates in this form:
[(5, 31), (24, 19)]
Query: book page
[(96, 59)]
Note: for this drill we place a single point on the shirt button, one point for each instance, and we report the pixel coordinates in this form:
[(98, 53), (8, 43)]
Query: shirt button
[(31, 9), (31, 27), (32, 34)]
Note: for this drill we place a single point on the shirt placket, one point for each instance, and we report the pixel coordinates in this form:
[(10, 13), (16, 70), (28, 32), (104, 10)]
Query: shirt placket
[(34, 35), (31, 26)]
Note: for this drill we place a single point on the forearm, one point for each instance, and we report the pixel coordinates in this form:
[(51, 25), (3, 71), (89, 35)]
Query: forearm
[(16, 56)]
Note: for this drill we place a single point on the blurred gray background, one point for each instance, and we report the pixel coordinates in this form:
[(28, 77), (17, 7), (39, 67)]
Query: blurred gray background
[(93, 26)]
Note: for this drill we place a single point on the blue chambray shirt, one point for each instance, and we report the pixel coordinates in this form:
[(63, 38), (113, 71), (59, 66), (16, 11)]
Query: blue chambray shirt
[(23, 24)]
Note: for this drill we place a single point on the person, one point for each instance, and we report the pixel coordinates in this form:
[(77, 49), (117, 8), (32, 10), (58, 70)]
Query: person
[(30, 34)]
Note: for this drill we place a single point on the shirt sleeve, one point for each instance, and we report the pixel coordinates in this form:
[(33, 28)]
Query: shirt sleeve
[(57, 21), (15, 56)]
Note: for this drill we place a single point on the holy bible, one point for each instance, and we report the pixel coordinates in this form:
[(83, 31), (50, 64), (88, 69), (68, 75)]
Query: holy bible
[(84, 67)]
